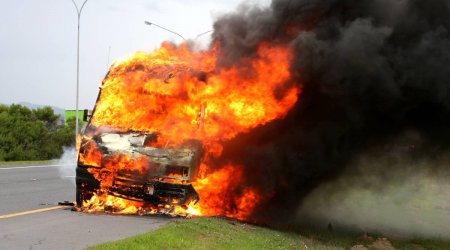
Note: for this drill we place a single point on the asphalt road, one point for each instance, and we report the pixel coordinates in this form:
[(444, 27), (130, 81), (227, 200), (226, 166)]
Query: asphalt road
[(31, 219)]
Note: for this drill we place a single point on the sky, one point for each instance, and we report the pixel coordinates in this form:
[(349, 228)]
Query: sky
[(38, 42)]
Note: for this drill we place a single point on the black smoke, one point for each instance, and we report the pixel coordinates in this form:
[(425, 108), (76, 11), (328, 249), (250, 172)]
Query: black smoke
[(369, 70)]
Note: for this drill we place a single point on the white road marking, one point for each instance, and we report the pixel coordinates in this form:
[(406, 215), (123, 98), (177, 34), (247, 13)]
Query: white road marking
[(39, 166)]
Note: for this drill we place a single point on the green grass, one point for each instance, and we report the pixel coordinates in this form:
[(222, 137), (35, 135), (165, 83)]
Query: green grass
[(217, 233), (421, 244), (19, 163)]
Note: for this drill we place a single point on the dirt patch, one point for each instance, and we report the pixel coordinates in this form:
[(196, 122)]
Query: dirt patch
[(382, 244), (359, 247)]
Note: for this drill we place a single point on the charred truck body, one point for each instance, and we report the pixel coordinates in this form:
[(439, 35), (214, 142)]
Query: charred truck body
[(162, 176)]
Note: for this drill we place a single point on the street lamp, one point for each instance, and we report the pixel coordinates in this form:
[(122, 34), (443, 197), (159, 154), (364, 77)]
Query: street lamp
[(173, 32), (78, 64), (201, 34)]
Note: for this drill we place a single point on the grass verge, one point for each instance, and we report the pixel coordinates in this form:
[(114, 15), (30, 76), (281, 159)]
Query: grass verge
[(219, 233), (22, 163)]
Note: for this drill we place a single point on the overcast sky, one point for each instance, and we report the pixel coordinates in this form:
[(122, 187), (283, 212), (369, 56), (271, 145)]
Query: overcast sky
[(38, 42)]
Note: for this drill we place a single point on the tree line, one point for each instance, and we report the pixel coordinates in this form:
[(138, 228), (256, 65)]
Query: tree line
[(36, 134)]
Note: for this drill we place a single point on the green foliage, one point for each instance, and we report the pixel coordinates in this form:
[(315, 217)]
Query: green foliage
[(32, 134), (47, 116)]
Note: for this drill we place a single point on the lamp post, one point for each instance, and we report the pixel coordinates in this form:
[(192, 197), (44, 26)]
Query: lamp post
[(201, 34), (79, 10), (173, 32)]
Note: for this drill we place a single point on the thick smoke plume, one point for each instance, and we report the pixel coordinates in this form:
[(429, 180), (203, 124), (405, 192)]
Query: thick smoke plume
[(370, 70)]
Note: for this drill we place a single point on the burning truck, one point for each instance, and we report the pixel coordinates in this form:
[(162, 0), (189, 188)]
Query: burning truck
[(174, 129), (154, 173), (160, 120)]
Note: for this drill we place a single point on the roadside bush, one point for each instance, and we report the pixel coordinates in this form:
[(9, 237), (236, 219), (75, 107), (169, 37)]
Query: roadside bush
[(32, 134)]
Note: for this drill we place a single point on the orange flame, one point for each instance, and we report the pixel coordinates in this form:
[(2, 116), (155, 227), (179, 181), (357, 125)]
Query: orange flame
[(222, 193), (91, 155), (162, 91), (184, 94)]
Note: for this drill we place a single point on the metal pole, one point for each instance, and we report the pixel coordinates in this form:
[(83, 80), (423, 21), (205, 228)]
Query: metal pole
[(201, 34), (173, 32), (78, 79), (78, 64)]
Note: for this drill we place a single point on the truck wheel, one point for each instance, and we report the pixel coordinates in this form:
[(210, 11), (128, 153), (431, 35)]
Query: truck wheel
[(81, 196)]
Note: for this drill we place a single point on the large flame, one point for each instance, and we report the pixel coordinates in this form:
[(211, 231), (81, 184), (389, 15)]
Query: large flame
[(223, 193), (185, 94)]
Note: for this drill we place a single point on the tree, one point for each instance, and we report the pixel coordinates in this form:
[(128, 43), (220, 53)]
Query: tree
[(32, 134), (47, 116)]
